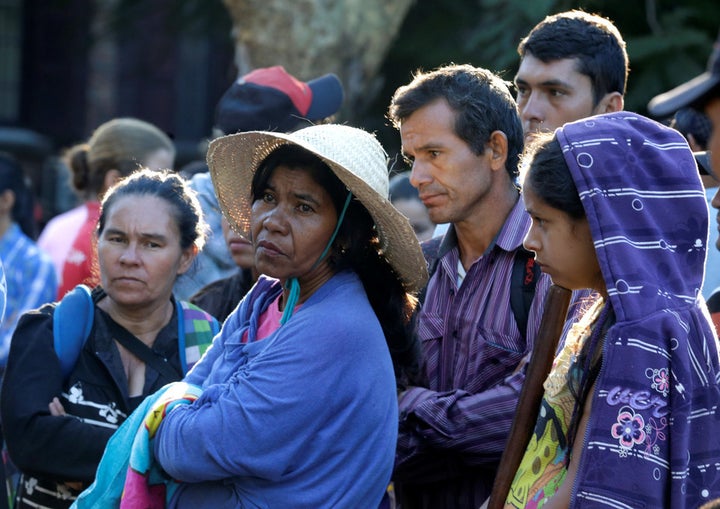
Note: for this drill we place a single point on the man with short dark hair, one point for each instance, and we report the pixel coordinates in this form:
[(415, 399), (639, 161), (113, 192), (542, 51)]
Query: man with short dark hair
[(462, 135), (572, 65)]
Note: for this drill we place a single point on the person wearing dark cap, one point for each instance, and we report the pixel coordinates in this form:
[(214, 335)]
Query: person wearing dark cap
[(696, 127), (701, 93), (265, 99), (272, 99)]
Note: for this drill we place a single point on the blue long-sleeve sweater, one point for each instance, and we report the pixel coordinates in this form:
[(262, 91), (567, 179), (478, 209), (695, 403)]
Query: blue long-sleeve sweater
[(305, 418)]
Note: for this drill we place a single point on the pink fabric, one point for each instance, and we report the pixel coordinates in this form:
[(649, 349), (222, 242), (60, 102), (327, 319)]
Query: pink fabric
[(269, 320), (70, 240), (138, 493)]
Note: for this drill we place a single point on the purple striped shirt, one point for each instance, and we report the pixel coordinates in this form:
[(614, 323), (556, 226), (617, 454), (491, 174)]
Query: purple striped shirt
[(453, 432)]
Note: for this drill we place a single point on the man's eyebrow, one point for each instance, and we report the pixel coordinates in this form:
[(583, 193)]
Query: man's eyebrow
[(545, 83), (431, 145)]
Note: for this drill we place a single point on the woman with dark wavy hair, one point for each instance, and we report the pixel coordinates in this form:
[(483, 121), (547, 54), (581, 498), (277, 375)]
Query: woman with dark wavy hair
[(299, 403)]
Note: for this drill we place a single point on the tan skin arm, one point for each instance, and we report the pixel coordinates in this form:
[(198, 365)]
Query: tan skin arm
[(561, 499)]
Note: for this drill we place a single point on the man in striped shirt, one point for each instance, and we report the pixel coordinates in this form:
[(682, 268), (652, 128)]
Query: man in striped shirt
[(461, 133)]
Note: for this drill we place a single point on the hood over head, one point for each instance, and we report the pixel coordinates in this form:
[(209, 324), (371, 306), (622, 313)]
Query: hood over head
[(640, 187)]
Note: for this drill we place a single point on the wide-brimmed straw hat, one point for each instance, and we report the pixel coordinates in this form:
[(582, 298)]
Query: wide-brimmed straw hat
[(354, 155)]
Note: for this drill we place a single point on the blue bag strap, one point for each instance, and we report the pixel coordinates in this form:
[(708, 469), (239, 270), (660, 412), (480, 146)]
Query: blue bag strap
[(181, 336), (72, 323)]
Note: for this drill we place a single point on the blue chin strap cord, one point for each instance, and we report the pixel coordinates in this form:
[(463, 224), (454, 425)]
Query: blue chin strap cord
[(294, 285)]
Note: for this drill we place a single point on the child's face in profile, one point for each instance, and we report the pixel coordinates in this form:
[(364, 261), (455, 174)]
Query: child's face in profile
[(563, 246)]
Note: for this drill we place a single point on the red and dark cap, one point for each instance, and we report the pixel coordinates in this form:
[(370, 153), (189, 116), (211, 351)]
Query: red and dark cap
[(693, 93), (271, 99)]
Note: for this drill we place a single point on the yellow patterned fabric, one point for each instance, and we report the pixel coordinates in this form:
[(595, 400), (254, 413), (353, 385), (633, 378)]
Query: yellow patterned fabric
[(544, 466)]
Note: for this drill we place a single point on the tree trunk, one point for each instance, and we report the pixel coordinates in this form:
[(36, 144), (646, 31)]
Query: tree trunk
[(313, 37)]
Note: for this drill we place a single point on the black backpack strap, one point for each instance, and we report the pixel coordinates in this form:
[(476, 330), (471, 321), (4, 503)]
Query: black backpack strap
[(142, 351), (431, 252), (523, 279)]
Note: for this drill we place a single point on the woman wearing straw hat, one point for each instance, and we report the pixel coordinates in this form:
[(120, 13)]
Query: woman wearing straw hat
[(298, 407)]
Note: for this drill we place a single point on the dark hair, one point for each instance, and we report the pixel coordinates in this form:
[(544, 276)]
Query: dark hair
[(168, 186), (594, 41), (356, 247), (121, 144), (481, 100), (545, 171), (691, 121), (12, 177)]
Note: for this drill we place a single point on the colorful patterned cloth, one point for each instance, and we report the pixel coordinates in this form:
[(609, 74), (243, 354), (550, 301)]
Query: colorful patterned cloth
[(128, 476), (198, 330), (544, 465)]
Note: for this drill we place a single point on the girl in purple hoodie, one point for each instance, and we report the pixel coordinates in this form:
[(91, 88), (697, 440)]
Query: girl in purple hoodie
[(629, 416)]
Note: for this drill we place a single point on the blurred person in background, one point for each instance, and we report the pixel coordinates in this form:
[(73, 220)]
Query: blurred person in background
[(220, 297), (265, 99), (114, 150), (406, 199), (696, 128), (701, 93), (31, 279)]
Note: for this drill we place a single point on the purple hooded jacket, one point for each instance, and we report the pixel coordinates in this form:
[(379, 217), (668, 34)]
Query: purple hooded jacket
[(653, 438)]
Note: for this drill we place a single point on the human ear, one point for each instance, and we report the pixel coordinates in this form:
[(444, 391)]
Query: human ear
[(611, 102), (186, 258), (498, 145)]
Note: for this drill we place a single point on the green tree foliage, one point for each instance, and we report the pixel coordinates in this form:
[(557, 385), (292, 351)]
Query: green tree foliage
[(668, 42)]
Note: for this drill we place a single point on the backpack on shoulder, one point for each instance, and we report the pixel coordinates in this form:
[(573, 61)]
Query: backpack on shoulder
[(73, 321), (523, 280)]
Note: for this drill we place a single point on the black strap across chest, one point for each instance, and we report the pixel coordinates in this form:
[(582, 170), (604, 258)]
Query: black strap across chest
[(142, 351)]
